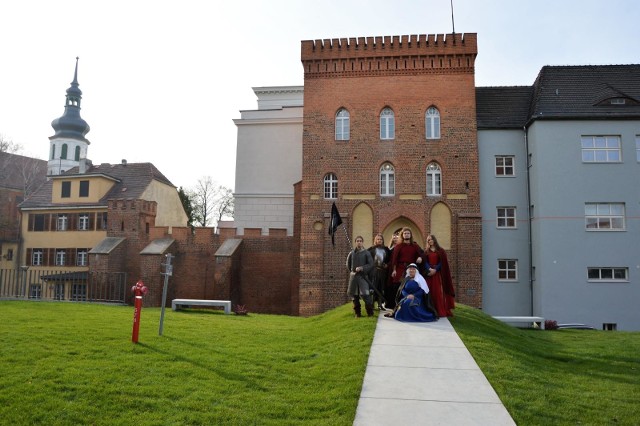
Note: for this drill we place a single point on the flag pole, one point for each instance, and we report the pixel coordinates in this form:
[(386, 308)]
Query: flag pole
[(346, 234)]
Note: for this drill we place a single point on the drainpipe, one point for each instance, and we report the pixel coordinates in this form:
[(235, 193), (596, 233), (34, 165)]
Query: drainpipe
[(529, 236)]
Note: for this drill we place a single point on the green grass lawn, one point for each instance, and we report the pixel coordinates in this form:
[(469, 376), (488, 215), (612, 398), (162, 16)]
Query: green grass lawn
[(562, 377), (66, 363)]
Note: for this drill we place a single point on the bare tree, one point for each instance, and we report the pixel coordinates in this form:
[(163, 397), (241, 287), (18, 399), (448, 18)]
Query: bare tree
[(211, 202), (7, 145)]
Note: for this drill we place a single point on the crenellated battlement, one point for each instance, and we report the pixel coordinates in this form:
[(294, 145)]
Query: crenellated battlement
[(390, 54)]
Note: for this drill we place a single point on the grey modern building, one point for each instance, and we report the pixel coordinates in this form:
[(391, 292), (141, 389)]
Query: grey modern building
[(559, 174)]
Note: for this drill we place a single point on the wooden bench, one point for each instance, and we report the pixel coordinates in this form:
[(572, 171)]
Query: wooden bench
[(522, 320), (177, 303)]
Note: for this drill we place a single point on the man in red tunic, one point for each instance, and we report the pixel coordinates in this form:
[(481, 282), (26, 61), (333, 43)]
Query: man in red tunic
[(404, 254)]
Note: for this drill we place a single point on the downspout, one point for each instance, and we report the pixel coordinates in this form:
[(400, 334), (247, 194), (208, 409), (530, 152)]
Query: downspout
[(529, 233)]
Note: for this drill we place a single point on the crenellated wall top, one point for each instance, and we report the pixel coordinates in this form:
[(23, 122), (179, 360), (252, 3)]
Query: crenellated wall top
[(390, 46)]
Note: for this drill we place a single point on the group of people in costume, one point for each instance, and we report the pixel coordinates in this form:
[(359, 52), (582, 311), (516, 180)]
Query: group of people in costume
[(415, 285)]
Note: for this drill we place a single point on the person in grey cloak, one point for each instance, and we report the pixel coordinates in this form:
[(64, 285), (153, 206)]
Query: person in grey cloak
[(360, 263)]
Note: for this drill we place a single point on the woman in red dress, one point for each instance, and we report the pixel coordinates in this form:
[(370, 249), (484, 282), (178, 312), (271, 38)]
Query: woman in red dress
[(438, 277)]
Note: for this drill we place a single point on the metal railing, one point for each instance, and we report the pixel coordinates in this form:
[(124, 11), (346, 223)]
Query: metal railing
[(75, 286)]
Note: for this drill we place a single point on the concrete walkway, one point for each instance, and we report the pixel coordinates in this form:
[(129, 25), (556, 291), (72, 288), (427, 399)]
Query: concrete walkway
[(422, 374)]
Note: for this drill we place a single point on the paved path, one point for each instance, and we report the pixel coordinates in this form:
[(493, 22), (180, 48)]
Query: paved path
[(422, 374)]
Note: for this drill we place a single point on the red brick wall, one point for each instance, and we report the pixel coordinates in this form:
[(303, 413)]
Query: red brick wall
[(409, 75)]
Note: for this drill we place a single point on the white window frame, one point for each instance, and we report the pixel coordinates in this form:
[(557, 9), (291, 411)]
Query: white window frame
[(502, 165), (82, 257), (387, 180), (506, 217), (604, 217), (59, 291), (37, 257), (607, 274), (343, 125), (61, 256), (78, 292), (432, 123), (35, 291), (387, 124), (508, 270), (601, 149), (83, 221), (62, 222), (330, 186), (434, 180)]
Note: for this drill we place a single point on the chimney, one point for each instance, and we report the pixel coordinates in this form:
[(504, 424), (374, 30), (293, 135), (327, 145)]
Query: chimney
[(124, 162), (82, 167)]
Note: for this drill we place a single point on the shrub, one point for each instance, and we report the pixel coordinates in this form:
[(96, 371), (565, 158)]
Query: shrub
[(550, 325)]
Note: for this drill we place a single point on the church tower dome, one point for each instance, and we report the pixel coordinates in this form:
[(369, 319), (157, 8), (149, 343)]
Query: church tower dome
[(68, 146)]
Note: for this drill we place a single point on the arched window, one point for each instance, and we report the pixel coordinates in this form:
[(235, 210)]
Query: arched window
[(330, 186), (432, 123), (53, 151), (342, 125), (387, 180), (434, 180), (63, 154), (77, 154), (387, 124)]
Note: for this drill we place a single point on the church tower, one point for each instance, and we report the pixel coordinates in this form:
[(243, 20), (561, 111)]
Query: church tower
[(68, 146)]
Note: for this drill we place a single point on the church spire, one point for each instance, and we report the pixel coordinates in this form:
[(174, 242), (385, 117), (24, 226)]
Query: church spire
[(69, 145)]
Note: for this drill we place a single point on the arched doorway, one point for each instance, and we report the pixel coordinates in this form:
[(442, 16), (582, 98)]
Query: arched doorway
[(397, 225)]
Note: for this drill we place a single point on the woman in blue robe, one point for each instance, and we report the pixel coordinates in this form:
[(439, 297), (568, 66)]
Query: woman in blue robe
[(414, 304)]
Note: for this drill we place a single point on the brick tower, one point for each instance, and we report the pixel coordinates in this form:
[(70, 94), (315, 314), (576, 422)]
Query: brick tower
[(390, 137)]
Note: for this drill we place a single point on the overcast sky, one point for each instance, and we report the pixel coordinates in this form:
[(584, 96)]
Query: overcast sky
[(162, 81)]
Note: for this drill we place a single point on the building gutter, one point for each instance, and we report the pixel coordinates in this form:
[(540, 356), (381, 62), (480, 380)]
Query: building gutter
[(529, 232)]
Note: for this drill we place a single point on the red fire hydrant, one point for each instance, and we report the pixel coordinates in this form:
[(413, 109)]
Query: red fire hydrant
[(138, 290)]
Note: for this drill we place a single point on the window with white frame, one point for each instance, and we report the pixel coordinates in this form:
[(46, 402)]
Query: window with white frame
[(505, 165), (432, 123), (601, 149), (37, 257), (507, 269), (506, 217), (604, 216), (330, 186), (61, 256), (58, 293), (607, 274), (82, 257), (387, 124), (35, 291), (434, 180), (83, 221), (387, 180), (79, 292), (342, 125), (63, 221)]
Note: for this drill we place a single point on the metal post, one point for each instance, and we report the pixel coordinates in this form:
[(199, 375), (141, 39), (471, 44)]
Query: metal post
[(167, 273)]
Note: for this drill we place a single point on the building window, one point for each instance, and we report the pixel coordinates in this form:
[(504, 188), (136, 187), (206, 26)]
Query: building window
[(66, 189), (601, 149), (103, 221), (37, 257), (387, 124), (432, 123), (330, 186), (504, 165), (63, 221), (507, 269), (60, 257), (608, 274), (79, 292), (342, 125), (63, 154), (76, 156), (83, 221), (9, 254), (53, 152), (58, 293), (84, 188), (506, 217), (35, 291), (40, 222), (82, 257), (434, 180), (387, 180), (604, 216)]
